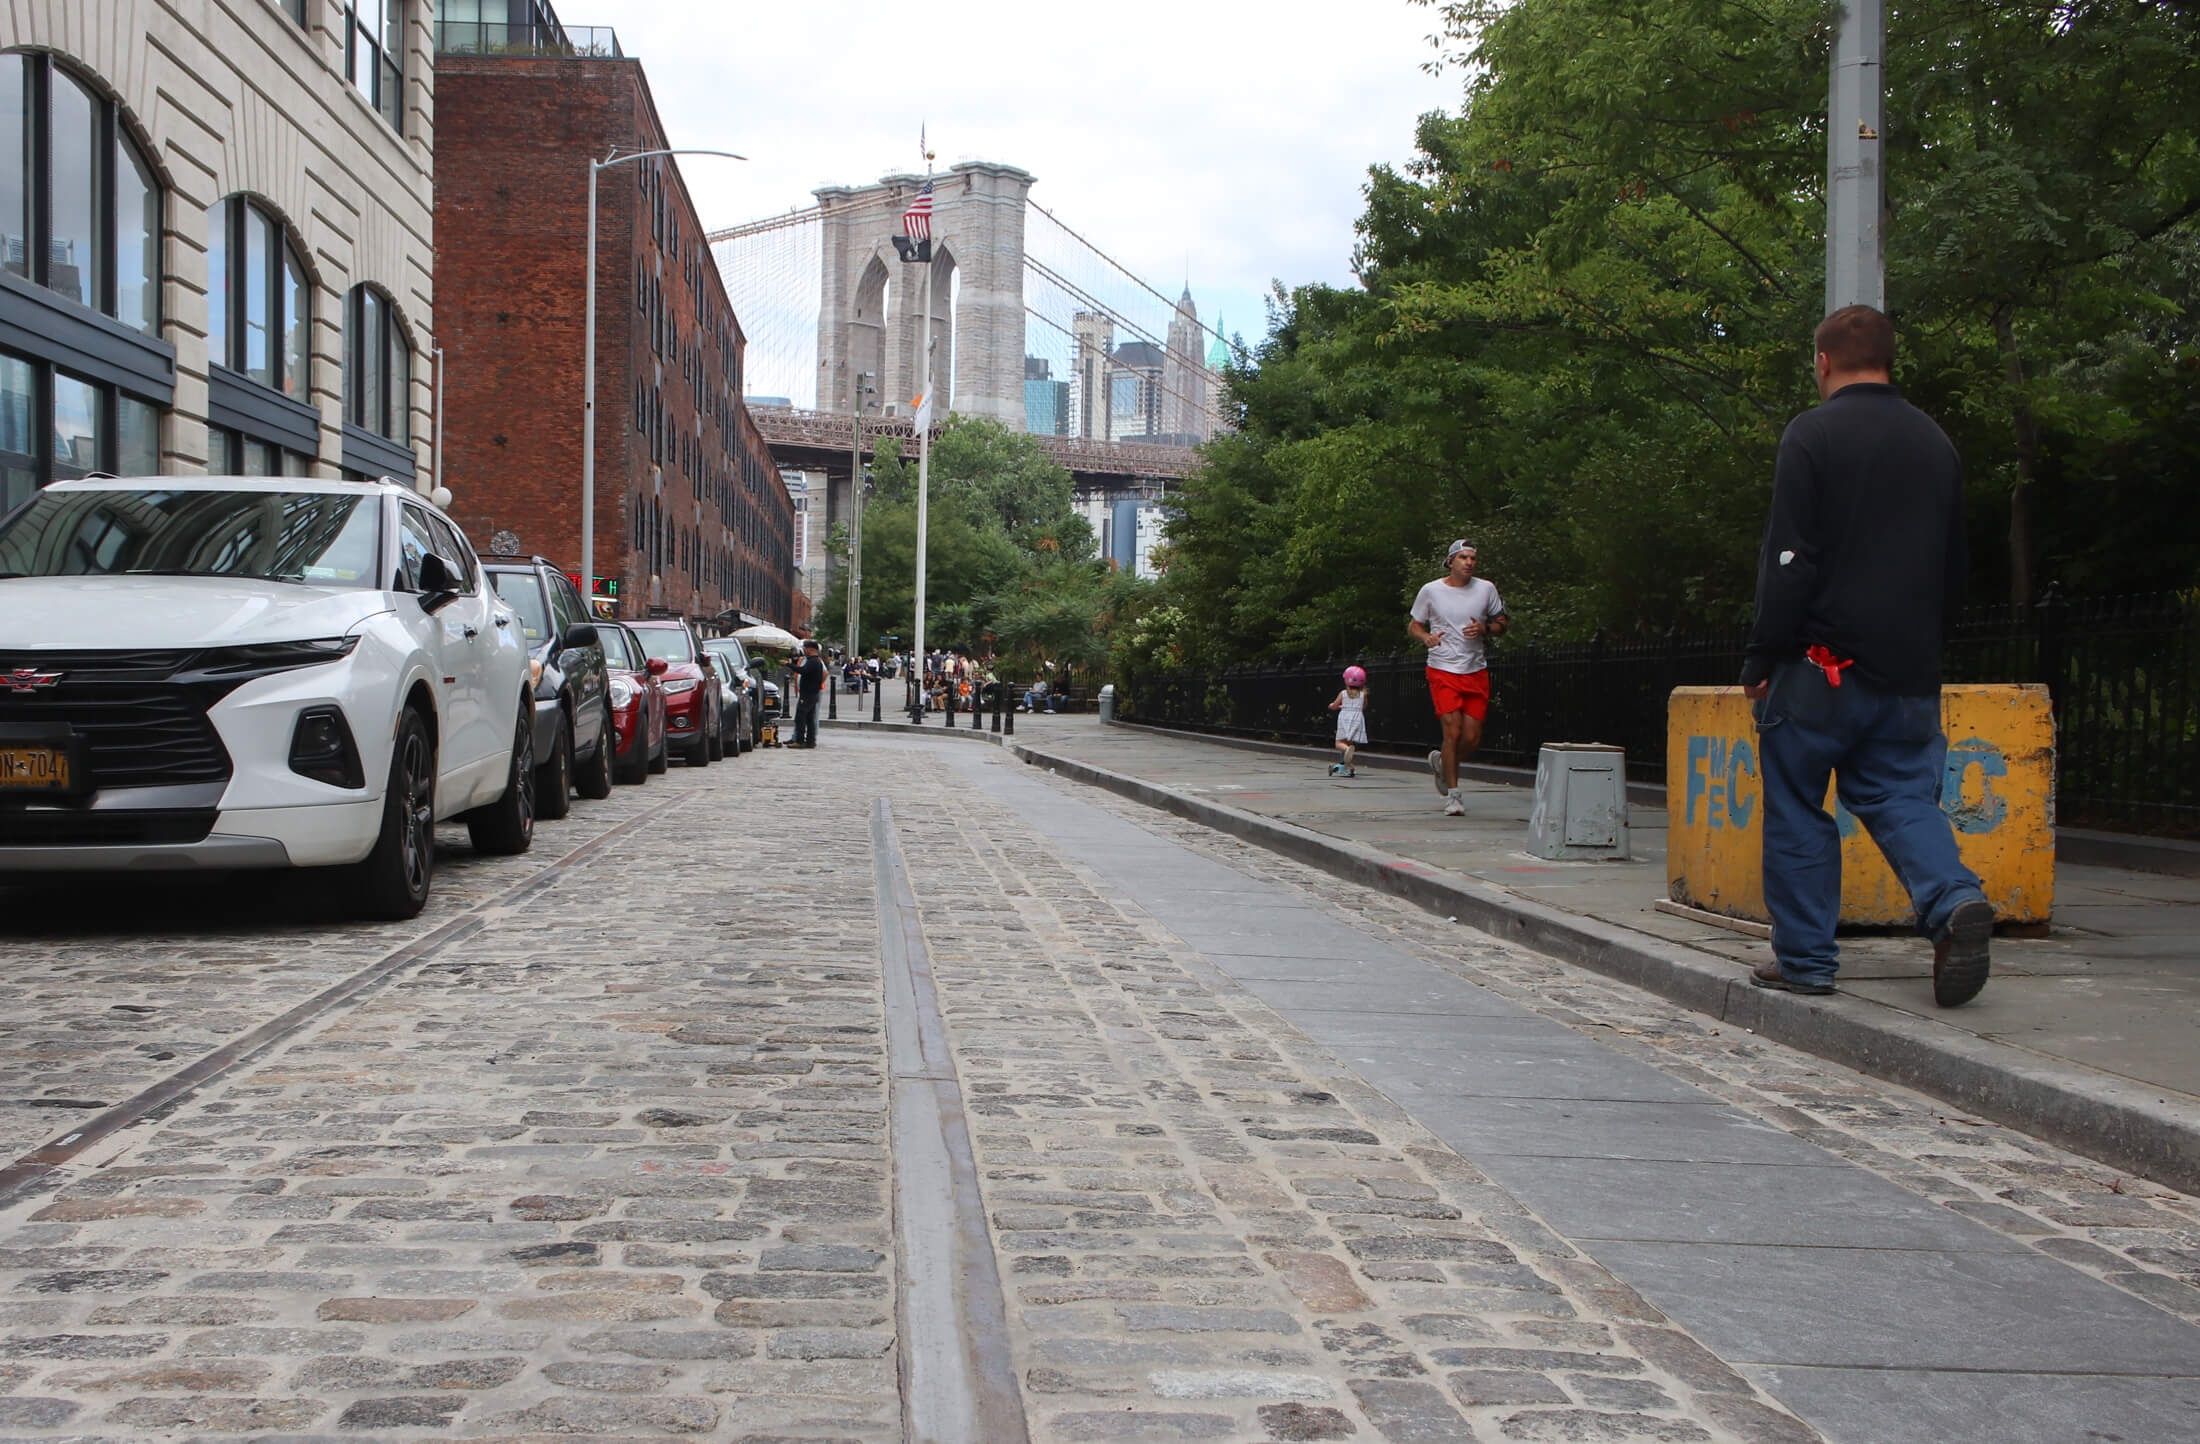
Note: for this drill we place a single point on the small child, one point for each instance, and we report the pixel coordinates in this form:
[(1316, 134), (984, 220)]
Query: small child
[(1351, 710)]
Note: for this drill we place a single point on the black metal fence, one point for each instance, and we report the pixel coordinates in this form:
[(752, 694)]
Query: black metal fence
[(2124, 674)]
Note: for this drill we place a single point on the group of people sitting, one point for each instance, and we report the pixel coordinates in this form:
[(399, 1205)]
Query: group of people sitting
[(974, 683)]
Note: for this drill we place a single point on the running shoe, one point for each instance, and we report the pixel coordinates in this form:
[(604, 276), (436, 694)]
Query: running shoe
[(1436, 770), (1453, 807)]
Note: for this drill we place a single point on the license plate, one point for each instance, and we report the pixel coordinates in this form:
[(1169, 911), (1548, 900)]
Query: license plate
[(34, 769)]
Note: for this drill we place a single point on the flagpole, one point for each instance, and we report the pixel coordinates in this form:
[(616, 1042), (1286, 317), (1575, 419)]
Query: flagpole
[(924, 454)]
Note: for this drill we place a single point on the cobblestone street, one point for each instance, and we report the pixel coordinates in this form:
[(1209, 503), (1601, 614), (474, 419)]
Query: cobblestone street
[(609, 1144)]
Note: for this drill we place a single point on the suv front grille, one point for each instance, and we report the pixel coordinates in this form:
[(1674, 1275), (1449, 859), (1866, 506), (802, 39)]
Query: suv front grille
[(139, 729)]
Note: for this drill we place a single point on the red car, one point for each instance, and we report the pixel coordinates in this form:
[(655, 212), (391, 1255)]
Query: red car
[(637, 704), (691, 688)]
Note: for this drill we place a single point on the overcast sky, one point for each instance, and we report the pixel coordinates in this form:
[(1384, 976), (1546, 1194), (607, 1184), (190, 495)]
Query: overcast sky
[(1227, 137)]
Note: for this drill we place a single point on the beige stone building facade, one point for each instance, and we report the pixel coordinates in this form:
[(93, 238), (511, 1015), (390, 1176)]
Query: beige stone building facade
[(216, 218)]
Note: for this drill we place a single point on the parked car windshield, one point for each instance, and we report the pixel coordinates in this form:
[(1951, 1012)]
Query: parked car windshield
[(670, 643), (523, 593), (322, 539)]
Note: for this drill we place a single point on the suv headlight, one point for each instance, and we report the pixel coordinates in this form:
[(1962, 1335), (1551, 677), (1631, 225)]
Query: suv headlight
[(622, 691), (679, 685)]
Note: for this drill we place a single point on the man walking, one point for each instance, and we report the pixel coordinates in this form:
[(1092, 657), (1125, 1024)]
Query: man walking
[(809, 678), (1452, 617), (1863, 559)]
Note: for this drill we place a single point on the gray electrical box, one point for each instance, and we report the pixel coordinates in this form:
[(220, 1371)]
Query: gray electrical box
[(1580, 802)]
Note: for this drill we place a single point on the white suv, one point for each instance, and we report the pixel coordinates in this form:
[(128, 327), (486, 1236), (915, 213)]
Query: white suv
[(231, 672)]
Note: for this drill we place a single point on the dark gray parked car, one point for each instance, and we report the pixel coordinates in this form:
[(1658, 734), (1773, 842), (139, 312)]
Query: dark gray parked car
[(574, 737)]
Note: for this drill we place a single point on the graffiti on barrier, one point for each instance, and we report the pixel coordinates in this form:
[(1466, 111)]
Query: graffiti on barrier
[(1717, 767)]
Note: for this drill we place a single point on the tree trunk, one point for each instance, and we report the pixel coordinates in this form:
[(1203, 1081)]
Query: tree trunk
[(2028, 459)]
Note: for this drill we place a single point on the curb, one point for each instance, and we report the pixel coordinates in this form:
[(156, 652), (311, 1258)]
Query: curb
[(2172, 857), (914, 730), (2121, 1123)]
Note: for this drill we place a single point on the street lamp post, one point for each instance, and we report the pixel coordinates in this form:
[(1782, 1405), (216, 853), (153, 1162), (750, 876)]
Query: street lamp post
[(588, 406)]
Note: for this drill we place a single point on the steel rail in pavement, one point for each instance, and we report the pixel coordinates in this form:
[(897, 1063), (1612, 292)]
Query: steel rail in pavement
[(958, 1380), (19, 1177)]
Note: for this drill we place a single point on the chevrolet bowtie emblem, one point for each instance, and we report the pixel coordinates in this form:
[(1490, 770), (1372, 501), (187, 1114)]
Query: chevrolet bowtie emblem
[(23, 679)]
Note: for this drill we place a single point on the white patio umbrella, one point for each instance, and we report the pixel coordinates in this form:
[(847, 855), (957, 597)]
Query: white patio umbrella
[(777, 639)]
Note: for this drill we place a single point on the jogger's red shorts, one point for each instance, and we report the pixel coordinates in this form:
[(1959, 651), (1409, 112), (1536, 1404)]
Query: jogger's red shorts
[(1467, 692)]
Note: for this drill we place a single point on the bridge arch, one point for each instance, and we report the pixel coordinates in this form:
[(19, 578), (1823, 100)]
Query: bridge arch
[(977, 294)]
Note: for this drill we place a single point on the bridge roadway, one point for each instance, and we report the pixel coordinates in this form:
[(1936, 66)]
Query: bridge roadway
[(819, 440)]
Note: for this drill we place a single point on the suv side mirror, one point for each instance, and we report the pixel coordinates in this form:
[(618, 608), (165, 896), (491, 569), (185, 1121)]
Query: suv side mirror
[(438, 583), (580, 634), (658, 666)]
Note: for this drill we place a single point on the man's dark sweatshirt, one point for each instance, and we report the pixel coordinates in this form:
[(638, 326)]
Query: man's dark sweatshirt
[(809, 678), (1864, 553)]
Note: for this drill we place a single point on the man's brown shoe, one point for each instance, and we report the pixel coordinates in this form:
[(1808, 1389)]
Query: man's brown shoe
[(1961, 959), (1768, 975)]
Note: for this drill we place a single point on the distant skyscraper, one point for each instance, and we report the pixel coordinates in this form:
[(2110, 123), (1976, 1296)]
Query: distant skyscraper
[(1183, 378), (1046, 400), (1089, 381)]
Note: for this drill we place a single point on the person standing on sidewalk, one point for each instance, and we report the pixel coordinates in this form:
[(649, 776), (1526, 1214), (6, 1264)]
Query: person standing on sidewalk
[(809, 677), (1351, 710), (1863, 560), (1452, 617)]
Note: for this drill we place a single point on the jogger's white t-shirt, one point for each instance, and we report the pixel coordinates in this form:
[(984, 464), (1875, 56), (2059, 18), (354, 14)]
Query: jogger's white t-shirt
[(1445, 610)]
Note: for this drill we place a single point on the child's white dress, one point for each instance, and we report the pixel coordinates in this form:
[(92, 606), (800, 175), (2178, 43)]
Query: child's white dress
[(1352, 719)]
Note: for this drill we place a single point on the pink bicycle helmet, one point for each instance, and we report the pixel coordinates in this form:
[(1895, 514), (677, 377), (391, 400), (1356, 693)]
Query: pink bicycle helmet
[(1355, 677)]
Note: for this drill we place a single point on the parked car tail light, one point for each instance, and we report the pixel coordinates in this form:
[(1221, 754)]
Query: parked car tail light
[(321, 748)]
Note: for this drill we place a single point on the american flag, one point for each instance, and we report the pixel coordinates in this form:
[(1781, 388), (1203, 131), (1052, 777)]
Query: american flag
[(916, 222)]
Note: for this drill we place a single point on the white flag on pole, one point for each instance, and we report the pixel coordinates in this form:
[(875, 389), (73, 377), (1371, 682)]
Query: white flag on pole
[(923, 413)]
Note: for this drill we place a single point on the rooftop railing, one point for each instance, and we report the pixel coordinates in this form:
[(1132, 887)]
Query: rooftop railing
[(496, 37)]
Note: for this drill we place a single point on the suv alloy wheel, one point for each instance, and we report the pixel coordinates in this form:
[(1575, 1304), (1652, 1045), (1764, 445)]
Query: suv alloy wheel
[(392, 883), (507, 825)]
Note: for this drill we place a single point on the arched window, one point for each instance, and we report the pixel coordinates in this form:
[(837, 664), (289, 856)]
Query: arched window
[(259, 343), (377, 386), (81, 220), (377, 366), (259, 300)]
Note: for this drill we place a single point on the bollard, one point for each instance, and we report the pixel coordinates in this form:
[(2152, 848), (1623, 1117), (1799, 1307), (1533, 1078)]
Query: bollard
[(878, 701), (996, 706), (1008, 724), (950, 690), (832, 700)]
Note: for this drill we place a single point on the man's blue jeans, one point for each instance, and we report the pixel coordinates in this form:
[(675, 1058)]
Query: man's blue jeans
[(1889, 756)]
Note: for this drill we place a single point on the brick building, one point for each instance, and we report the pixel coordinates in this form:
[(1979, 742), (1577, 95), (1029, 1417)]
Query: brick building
[(691, 516)]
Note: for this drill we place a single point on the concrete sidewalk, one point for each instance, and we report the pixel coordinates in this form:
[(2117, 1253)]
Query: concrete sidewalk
[(2084, 1036)]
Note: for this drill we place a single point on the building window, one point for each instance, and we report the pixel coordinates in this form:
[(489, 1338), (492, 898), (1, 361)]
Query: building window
[(81, 219), (296, 9), (374, 48), (377, 366), (80, 207), (237, 453), (259, 301)]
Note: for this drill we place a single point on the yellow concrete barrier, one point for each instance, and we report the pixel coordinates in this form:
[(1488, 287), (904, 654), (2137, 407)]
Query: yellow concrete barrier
[(1999, 792)]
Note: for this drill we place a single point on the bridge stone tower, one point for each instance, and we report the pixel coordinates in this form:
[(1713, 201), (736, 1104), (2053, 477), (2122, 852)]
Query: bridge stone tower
[(867, 317)]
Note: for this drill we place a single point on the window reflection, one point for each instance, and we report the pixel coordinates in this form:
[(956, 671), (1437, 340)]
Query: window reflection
[(377, 366), (137, 241), (297, 313), (78, 178), (76, 429), (18, 438), (137, 437), (258, 295), (15, 226)]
